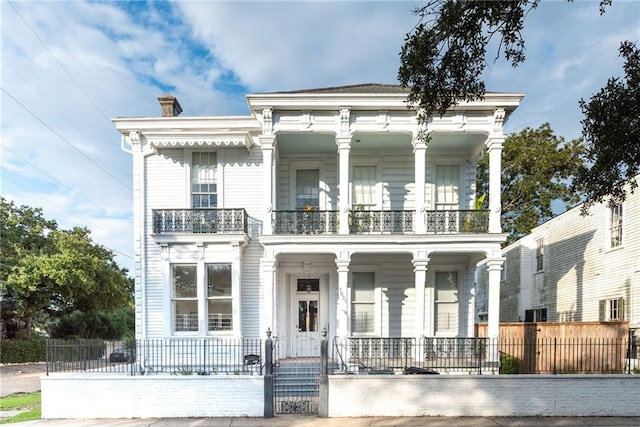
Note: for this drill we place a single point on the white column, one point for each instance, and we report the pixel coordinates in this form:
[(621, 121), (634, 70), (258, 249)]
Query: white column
[(494, 265), (420, 264), (419, 151), (344, 148), (342, 316), (267, 143), (268, 271), (495, 187)]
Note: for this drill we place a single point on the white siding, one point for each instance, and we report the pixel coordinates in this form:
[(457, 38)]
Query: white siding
[(166, 188)]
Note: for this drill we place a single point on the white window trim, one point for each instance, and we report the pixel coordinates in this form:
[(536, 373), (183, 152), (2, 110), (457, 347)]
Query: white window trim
[(535, 255), (308, 164), (377, 298), (188, 158), (609, 235), (213, 254)]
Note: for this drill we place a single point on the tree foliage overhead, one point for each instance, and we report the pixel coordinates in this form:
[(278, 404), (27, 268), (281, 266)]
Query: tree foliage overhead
[(48, 272), (444, 56), (611, 132), (537, 169)]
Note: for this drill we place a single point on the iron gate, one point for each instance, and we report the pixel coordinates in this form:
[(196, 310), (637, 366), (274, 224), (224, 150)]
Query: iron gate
[(296, 385)]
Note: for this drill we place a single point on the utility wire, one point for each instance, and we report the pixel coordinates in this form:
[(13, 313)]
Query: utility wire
[(54, 178), (59, 63), (65, 140), (72, 214)]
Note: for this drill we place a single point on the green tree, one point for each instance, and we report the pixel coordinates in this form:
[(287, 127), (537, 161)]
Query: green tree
[(51, 272), (537, 169), (611, 131), (444, 56)]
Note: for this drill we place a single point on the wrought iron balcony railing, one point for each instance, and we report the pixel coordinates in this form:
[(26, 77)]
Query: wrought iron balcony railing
[(379, 221), (304, 222), (457, 221), (216, 221)]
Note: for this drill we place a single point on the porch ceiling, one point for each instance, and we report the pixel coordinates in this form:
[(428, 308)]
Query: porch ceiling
[(325, 143)]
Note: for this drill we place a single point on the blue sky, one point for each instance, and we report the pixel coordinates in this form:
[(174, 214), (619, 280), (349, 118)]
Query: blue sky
[(69, 67)]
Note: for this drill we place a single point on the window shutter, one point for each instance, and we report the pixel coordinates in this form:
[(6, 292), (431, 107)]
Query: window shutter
[(620, 308), (601, 311), (528, 316)]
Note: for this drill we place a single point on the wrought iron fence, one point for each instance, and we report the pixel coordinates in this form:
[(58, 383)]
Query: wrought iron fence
[(179, 356), (430, 355), (220, 221)]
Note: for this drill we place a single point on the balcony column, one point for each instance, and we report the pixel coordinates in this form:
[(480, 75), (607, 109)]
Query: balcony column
[(268, 143), (419, 151), (268, 271), (494, 266), (494, 148), (342, 312), (343, 140)]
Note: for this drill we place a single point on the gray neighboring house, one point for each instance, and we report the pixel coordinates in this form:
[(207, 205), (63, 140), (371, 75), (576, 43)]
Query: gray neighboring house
[(573, 268)]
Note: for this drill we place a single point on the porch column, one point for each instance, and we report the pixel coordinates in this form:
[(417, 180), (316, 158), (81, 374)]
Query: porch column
[(342, 316), (419, 151), (494, 148), (268, 271), (494, 266), (344, 148), (267, 141), (420, 264)]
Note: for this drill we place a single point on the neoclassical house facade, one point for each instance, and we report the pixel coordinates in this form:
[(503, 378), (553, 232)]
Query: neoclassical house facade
[(323, 209)]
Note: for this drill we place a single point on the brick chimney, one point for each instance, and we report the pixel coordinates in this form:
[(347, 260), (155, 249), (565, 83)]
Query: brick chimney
[(170, 106)]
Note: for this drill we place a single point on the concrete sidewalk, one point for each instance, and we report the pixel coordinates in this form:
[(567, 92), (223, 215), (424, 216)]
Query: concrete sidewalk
[(308, 421)]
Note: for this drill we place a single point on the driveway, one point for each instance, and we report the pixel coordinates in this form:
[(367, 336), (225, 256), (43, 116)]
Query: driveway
[(21, 378)]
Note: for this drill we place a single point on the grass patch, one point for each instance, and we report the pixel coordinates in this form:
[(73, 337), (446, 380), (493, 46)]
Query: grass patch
[(28, 402)]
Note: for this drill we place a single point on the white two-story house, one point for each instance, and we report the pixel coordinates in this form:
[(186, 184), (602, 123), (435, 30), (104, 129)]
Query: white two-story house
[(320, 209)]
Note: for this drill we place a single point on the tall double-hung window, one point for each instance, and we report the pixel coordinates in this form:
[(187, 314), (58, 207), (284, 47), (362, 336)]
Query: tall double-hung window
[(204, 188), (364, 187), (363, 303), (202, 304), (615, 226), (446, 302), (447, 187), (307, 189), (185, 297)]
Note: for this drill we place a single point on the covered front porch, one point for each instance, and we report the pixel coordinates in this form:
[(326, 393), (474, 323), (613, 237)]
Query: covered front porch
[(391, 290)]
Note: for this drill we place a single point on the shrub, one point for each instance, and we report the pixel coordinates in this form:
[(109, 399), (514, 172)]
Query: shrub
[(23, 350), (508, 364)]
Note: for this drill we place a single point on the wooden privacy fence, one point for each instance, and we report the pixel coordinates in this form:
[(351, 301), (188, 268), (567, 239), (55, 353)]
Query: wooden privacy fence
[(555, 348)]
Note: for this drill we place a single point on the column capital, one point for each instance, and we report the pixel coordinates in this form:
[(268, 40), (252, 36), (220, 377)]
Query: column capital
[(343, 141), (342, 264), (495, 143), (267, 142), (495, 264), (267, 121)]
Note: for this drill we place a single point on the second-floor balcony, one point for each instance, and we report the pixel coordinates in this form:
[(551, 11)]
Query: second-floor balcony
[(381, 222), (213, 221), (322, 222)]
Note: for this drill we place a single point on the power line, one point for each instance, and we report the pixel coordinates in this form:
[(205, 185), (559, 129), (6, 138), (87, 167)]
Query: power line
[(54, 178), (59, 63), (72, 214), (65, 140)]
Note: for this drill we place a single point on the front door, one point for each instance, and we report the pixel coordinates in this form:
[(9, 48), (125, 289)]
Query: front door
[(306, 319)]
